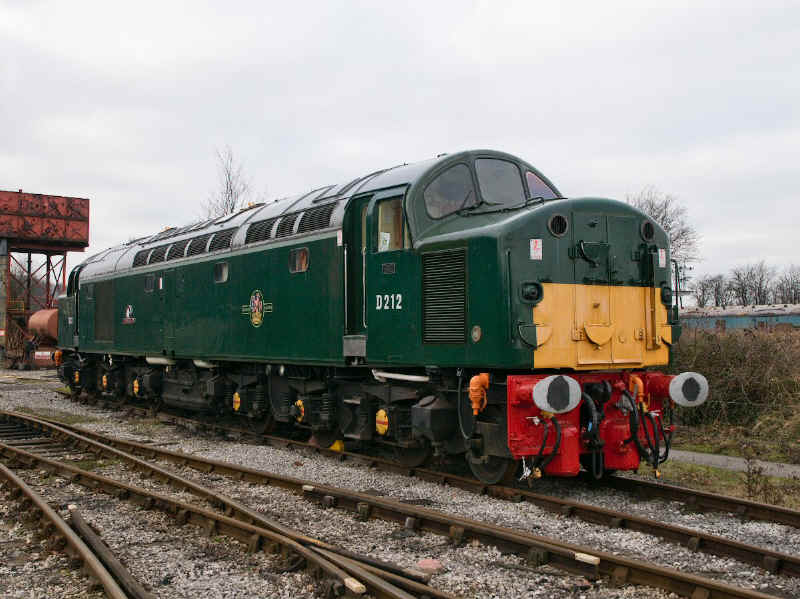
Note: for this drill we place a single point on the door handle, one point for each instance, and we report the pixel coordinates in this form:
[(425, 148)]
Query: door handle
[(364, 286), (582, 254)]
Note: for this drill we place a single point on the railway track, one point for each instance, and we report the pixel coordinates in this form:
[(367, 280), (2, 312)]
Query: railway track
[(774, 562), (59, 532), (537, 549), (692, 499), (29, 442)]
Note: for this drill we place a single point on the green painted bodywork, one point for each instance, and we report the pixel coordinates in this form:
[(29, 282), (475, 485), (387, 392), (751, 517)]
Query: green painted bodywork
[(191, 316)]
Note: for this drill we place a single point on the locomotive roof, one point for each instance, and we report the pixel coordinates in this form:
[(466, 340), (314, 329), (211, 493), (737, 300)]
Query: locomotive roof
[(318, 209)]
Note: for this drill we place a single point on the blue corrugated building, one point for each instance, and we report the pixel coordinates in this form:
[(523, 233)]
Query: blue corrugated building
[(778, 316)]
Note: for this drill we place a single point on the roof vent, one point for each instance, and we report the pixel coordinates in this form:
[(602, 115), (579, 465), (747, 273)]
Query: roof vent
[(198, 245), (158, 254), (140, 259), (260, 230), (178, 249), (286, 226), (222, 240), (316, 218)]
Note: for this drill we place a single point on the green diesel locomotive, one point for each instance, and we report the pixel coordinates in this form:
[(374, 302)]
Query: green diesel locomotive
[(458, 305)]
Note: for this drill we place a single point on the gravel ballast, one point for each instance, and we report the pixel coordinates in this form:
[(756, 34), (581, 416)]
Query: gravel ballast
[(499, 576)]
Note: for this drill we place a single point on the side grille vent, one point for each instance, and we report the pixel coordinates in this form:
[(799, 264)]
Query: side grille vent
[(222, 240), (444, 297), (158, 254), (286, 226), (316, 218), (140, 259), (259, 231), (198, 245), (177, 249)]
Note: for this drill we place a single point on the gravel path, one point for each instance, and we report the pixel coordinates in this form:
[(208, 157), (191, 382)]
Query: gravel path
[(500, 575), (734, 463)]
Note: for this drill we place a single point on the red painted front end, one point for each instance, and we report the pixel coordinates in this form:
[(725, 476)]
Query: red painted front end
[(526, 425)]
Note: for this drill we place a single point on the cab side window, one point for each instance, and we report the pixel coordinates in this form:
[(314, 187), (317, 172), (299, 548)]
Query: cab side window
[(537, 188), (392, 232)]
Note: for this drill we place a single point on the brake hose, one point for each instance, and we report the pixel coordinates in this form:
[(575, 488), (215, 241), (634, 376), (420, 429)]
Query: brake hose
[(549, 458), (653, 443), (593, 431), (459, 411), (544, 442), (634, 424), (658, 427)]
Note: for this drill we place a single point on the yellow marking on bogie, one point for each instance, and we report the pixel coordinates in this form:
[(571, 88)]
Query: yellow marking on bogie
[(338, 445), (237, 401), (381, 422), (588, 327)]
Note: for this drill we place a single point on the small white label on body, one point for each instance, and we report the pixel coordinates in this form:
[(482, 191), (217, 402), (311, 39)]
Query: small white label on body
[(662, 258), (536, 249), (41, 355), (339, 237)]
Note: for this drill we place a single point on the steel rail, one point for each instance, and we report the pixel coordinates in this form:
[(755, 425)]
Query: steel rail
[(692, 498), (296, 541), (63, 531), (773, 561), (702, 500), (570, 557)]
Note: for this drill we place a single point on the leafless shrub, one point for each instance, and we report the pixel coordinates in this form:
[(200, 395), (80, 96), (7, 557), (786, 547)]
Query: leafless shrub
[(754, 377), (759, 487)]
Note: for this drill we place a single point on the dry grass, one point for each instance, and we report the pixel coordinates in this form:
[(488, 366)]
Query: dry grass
[(752, 484), (754, 377)]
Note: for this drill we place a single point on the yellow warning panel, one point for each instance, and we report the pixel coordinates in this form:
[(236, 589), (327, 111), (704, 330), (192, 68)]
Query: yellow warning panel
[(600, 327)]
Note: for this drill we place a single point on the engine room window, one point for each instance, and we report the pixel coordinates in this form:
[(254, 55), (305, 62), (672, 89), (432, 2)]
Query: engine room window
[(537, 188), (221, 272), (500, 182), (450, 192), (149, 283), (390, 225), (298, 260)]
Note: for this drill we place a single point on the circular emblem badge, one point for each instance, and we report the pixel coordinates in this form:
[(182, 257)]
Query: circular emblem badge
[(256, 308)]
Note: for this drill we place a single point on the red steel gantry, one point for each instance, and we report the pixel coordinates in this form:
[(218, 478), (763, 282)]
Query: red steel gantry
[(36, 232)]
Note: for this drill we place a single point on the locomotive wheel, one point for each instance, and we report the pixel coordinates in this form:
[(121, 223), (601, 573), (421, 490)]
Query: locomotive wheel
[(324, 439), (411, 457), (261, 426), (491, 469)]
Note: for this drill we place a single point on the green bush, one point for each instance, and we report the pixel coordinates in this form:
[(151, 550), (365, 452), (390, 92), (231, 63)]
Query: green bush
[(753, 376)]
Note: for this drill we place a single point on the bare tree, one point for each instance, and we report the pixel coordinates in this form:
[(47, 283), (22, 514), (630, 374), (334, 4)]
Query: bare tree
[(786, 289), (752, 283), (233, 187), (673, 217), (703, 290), (720, 290)]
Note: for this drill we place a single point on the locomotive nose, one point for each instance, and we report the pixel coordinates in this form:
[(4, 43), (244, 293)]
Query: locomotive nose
[(688, 389)]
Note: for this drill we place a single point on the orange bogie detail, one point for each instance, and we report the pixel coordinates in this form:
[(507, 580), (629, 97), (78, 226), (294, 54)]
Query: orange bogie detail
[(478, 385)]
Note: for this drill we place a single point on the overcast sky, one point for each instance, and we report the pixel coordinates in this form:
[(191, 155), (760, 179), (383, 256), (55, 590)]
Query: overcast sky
[(125, 103)]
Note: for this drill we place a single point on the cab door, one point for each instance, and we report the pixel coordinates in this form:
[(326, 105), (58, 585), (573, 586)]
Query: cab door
[(393, 283), (356, 231)]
